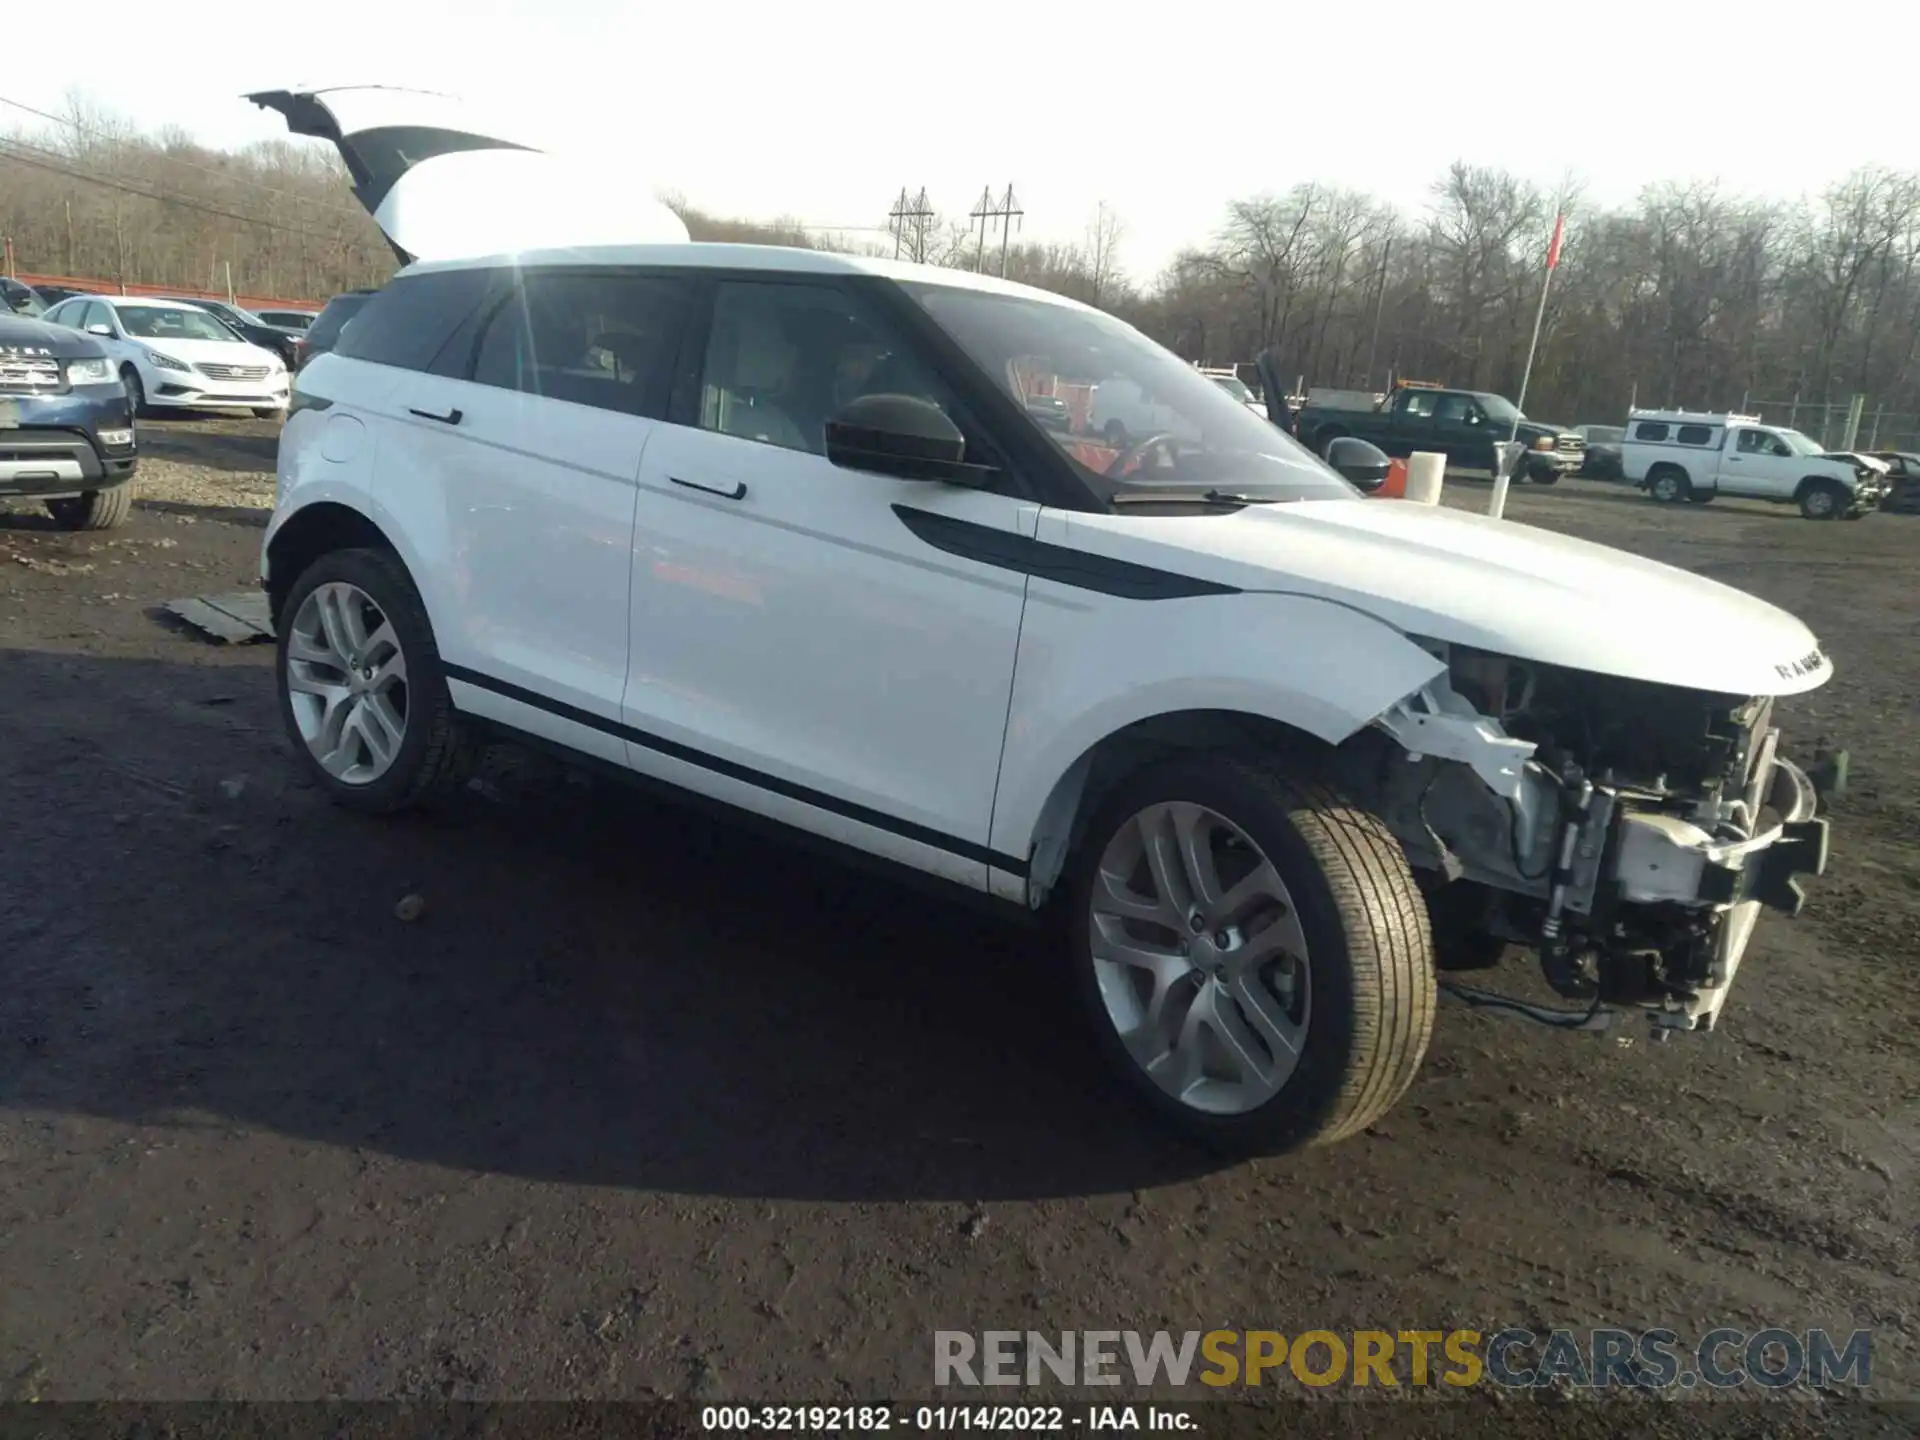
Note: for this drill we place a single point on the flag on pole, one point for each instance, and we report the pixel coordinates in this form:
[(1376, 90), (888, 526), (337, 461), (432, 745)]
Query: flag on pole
[(1553, 250)]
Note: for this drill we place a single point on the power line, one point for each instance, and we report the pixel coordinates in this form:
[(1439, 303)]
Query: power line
[(58, 166), (87, 130)]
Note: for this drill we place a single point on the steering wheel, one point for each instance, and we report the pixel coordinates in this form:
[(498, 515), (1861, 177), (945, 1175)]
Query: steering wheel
[(1131, 458)]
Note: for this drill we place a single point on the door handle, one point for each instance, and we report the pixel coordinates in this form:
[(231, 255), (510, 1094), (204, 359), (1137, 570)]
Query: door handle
[(452, 417), (735, 491)]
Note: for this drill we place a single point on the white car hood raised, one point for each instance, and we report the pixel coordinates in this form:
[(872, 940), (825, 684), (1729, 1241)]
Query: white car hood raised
[(1491, 584)]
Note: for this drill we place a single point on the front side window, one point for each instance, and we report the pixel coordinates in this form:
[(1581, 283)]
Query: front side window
[(1456, 410), (1762, 442), (782, 359), (97, 314), (599, 338), (1143, 426), (152, 322)]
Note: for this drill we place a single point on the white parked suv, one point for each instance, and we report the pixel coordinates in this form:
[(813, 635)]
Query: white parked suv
[(177, 356), (774, 527), (1687, 455)]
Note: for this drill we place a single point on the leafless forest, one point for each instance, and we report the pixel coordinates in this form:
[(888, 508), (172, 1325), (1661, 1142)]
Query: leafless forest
[(1690, 296)]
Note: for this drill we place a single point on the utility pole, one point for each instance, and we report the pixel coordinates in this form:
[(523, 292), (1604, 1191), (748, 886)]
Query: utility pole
[(909, 225), (1006, 211), (1379, 304), (980, 212), (69, 235)]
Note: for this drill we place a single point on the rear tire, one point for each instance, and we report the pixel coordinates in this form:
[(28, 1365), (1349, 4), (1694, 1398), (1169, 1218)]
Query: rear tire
[(1668, 484), (1823, 500), (436, 753), (1321, 1025), (94, 510)]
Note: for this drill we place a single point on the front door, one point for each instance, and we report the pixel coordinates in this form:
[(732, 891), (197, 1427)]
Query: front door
[(1461, 431), (1759, 463), (799, 648)]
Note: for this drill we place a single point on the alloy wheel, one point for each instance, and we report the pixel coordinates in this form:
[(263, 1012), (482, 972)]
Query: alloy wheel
[(347, 682), (1200, 959)]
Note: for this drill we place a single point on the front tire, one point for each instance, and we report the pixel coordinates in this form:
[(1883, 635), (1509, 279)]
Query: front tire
[(1823, 500), (94, 509), (363, 694), (1253, 953), (136, 392)]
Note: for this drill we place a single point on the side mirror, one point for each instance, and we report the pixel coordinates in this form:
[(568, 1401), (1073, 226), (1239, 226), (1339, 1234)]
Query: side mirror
[(106, 330), (903, 436), (1364, 465)]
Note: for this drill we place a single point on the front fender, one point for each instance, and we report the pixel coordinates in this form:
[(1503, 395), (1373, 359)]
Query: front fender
[(1091, 665)]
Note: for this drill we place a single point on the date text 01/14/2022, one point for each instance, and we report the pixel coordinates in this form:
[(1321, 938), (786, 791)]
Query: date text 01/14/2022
[(1007, 1419)]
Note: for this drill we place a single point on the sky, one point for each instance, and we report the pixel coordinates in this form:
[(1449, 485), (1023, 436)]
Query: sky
[(1165, 112)]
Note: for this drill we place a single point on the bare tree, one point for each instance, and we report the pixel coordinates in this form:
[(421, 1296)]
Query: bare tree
[(1104, 234)]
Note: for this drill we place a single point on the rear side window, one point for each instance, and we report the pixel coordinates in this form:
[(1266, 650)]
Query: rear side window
[(406, 324), (339, 311), (1694, 435), (1650, 430), (599, 338)]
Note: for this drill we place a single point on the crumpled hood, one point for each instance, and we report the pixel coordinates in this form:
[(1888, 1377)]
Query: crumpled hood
[(1492, 584), (1854, 457)]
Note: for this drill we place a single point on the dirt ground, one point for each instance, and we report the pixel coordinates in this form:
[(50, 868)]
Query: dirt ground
[(642, 1106)]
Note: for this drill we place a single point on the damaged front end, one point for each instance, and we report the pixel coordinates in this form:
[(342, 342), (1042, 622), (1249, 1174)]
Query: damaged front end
[(1629, 833)]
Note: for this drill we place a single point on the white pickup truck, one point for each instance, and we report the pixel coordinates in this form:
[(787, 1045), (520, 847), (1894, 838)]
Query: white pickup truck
[(1688, 456)]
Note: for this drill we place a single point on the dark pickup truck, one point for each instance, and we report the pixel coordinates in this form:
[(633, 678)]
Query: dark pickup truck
[(1463, 425)]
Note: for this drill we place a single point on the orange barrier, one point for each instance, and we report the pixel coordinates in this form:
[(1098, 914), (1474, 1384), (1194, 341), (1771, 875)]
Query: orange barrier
[(1396, 486)]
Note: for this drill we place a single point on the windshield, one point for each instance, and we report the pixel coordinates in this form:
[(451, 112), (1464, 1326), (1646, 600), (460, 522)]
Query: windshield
[(1801, 444), (151, 322), (1605, 435), (1142, 424)]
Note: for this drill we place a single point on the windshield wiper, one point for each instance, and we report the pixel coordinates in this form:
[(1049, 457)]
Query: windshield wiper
[(1190, 497)]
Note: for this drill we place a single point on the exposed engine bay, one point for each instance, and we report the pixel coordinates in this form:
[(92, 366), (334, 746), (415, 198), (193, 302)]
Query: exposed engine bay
[(1628, 833)]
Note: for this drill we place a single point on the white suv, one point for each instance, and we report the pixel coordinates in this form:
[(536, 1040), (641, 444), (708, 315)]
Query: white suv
[(775, 527)]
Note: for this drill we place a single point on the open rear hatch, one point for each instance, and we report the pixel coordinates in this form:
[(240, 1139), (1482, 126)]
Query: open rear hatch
[(443, 186)]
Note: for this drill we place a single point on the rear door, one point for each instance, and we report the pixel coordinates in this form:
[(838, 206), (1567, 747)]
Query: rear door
[(443, 182), (512, 452)]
